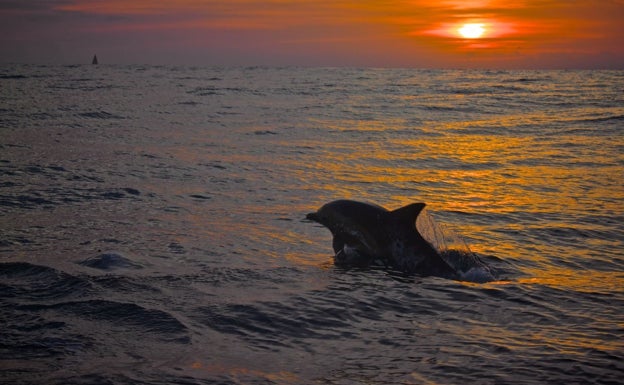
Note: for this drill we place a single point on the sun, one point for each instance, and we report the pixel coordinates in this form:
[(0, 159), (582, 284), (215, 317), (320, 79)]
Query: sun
[(471, 30)]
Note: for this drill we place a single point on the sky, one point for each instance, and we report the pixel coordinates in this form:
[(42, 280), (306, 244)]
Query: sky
[(506, 34)]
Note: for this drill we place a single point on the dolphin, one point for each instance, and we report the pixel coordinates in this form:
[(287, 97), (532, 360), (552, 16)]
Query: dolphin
[(365, 234)]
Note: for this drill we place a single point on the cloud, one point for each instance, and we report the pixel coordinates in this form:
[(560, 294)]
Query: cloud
[(31, 5)]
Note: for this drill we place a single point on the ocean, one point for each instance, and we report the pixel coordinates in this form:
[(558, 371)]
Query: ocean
[(152, 225)]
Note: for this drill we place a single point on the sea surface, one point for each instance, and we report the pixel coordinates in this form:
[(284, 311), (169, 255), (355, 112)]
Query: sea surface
[(152, 225)]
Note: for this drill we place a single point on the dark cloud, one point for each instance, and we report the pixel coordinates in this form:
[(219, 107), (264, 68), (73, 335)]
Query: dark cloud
[(31, 5)]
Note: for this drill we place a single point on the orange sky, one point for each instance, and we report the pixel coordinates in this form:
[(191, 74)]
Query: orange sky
[(390, 33)]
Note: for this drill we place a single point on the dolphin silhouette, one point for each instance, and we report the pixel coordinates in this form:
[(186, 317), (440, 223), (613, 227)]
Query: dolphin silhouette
[(365, 234)]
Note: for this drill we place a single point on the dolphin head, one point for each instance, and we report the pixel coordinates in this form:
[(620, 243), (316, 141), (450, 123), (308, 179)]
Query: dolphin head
[(344, 216), (353, 225), (332, 215)]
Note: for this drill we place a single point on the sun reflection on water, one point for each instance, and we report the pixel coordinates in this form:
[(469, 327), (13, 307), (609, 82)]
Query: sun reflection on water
[(508, 194)]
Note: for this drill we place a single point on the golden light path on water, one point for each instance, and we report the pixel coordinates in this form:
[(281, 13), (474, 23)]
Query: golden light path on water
[(540, 188), (489, 188)]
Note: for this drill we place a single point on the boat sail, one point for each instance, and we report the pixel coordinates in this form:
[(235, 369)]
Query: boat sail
[(94, 61)]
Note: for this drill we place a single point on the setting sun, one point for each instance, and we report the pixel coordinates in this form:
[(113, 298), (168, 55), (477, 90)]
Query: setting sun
[(472, 31)]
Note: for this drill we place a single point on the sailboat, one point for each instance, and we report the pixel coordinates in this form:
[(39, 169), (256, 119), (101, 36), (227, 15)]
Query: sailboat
[(94, 61)]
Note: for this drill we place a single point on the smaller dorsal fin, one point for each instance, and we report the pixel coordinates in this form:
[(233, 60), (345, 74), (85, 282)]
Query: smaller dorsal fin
[(408, 214)]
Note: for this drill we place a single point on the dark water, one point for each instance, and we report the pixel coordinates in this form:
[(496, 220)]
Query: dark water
[(151, 225)]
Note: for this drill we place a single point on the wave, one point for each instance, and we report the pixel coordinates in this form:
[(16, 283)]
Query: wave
[(158, 324), (99, 115), (58, 188), (55, 197), (28, 282), (11, 76)]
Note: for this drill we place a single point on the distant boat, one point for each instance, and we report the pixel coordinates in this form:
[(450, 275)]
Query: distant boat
[(94, 61)]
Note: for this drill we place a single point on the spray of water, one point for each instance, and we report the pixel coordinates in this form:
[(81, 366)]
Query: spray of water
[(453, 249), (440, 237)]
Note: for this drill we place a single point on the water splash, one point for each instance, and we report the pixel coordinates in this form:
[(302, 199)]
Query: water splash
[(439, 236), (454, 250)]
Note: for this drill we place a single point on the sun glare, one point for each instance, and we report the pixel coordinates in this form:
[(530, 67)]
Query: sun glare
[(471, 31)]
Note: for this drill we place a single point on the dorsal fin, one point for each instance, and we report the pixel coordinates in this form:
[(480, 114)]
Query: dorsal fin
[(408, 214)]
